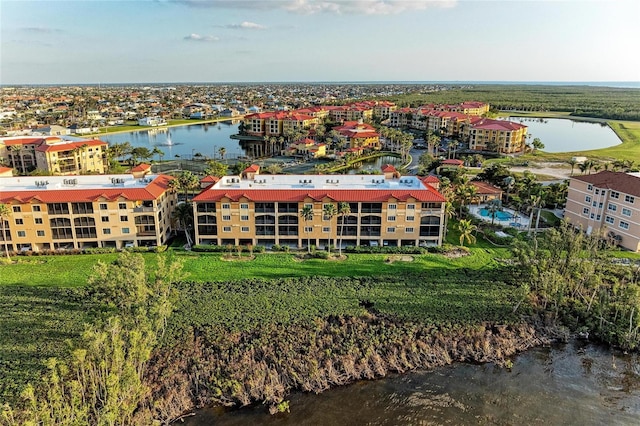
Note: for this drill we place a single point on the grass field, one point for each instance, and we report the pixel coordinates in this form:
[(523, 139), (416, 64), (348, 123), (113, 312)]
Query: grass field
[(43, 302)]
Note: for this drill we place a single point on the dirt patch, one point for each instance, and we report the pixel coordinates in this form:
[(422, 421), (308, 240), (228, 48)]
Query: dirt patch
[(231, 258), (398, 258), (455, 253)]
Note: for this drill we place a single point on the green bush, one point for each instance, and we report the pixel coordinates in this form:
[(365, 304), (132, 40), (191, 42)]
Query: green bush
[(321, 254), (209, 248), (100, 250), (385, 250)]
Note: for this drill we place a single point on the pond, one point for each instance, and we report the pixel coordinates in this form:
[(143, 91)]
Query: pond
[(564, 135), (185, 141)]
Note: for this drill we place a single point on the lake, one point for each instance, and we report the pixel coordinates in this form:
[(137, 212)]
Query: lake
[(185, 141), (564, 135), (577, 383), (558, 135)]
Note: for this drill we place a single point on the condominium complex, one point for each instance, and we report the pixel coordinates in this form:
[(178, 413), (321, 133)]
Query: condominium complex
[(384, 210), (60, 155), (58, 212), (463, 121), (607, 202)]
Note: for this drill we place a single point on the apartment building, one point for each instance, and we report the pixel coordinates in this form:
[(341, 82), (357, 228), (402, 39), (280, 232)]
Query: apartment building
[(63, 155), (359, 135), (385, 210), (607, 202), (75, 212), (501, 136)]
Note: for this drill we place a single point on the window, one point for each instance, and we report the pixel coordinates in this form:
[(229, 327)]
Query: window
[(308, 206), (16, 209), (597, 191), (226, 217), (431, 205), (19, 222), (124, 218), (585, 210), (615, 194), (411, 206), (308, 229), (409, 230), (392, 206), (244, 206), (609, 219), (587, 198), (40, 233), (593, 216), (626, 212), (104, 218), (38, 220), (411, 218), (629, 199), (36, 208), (600, 205), (595, 203), (226, 229), (125, 230), (106, 231), (103, 206), (22, 233), (326, 229), (244, 229), (58, 208), (612, 207), (598, 217), (391, 230), (122, 206), (391, 218), (244, 217), (589, 187), (623, 225), (226, 206)]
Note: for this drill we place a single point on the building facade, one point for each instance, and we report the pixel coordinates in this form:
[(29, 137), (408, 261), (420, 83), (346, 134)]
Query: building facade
[(54, 155), (75, 212), (385, 210), (608, 203)]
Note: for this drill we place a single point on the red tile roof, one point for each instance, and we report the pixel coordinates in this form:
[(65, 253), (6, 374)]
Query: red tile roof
[(428, 194), (388, 168), (150, 192), (210, 178), (486, 188), (68, 146), (618, 181), (142, 167), (254, 168), (452, 162)]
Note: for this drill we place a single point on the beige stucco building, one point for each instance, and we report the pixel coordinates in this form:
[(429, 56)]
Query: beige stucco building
[(607, 202), (67, 212), (385, 210)]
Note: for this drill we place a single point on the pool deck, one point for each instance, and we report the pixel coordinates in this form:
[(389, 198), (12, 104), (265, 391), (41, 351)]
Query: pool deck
[(516, 220)]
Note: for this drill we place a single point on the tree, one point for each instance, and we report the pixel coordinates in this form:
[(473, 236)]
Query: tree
[(493, 207), (216, 168), (222, 151), (466, 228), (508, 183), (307, 215), (328, 212), (537, 144), (185, 181), (5, 214), (102, 383), (344, 210), (158, 152), (183, 215), (572, 163)]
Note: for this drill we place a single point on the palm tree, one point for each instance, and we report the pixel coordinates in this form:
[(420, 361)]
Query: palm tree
[(508, 182), (222, 151), (183, 215), (449, 213), (158, 152), (572, 163), (328, 212), (5, 213), (344, 209), (466, 228), (307, 215), (493, 208), (186, 181)]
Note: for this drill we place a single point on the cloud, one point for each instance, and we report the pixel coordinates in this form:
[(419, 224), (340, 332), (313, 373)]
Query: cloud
[(244, 26), (41, 30), (339, 7), (198, 37)]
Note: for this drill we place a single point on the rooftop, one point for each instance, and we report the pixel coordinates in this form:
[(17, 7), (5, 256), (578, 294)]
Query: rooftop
[(628, 183)]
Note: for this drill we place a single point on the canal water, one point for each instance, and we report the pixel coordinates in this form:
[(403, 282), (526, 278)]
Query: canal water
[(564, 135), (573, 384)]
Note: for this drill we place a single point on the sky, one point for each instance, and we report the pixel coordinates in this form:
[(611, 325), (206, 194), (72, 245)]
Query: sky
[(175, 41)]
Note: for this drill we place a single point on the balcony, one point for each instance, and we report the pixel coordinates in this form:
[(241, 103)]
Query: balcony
[(143, 209)]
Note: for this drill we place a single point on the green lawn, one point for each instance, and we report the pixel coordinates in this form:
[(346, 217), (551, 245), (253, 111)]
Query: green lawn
[(73, 270)]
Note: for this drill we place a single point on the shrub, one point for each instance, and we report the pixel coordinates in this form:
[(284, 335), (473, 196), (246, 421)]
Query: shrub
[(209, 248), (385, 250), (321, 255), (99, 250)]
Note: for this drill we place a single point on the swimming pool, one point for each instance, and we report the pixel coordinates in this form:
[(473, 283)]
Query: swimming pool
[(500, 215)]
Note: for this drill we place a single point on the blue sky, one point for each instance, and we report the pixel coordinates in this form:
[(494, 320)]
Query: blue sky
[(91, 41)]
